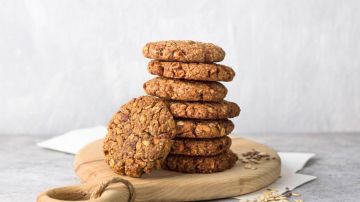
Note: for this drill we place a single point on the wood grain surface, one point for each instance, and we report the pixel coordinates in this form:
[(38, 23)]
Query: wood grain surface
[(163, 185)]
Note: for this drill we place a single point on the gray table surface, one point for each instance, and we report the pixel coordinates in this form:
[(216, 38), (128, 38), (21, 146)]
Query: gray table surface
[(26, 170)]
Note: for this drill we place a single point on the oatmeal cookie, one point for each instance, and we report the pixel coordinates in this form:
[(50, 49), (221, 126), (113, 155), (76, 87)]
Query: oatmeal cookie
[(204, 110), (200, 147), (183, 51), (185, 90), (198, 164), (139, 136), (192, 128), (191, 71)]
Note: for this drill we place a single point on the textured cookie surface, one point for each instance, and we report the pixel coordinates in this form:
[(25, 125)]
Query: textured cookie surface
[(139, 136), (200, 147), (183, 51), (185, 90), (192, 128), (190, 164), (204, 110), (191, 71)]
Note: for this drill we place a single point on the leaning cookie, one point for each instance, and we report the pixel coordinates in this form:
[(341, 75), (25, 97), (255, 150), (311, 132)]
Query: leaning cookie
[(189, 164), (183, 51), (139, 136), (193, 128), (200, 147), (185, 90), (204, 110), (191, 71)]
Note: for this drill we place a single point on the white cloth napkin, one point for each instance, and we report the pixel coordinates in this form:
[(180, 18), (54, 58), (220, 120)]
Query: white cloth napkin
[(291, 163), (71, 142)]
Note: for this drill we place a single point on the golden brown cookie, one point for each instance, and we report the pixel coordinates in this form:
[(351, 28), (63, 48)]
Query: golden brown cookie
[(193, 128), (198, 164), (139, 136), (200, 147), (183, 51), (185, 90), (204, 110), (191, 71)]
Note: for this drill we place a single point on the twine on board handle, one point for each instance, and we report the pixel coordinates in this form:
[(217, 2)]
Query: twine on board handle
[(97, 193)]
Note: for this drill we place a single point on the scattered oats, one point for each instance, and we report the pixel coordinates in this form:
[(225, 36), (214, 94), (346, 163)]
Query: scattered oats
[(248, 166), (253, 157), (271, 195), (254, 161)]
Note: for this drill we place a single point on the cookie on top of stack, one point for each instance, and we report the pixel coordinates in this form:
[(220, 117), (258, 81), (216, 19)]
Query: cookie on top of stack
[(188, 81)]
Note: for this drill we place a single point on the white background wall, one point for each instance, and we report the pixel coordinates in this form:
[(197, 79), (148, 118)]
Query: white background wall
[(66, 64)]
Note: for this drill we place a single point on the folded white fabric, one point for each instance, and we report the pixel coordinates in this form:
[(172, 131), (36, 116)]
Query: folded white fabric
[(291, 163), (72, 141)]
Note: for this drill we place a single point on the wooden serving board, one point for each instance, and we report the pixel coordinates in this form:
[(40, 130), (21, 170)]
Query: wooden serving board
[(163, 185)]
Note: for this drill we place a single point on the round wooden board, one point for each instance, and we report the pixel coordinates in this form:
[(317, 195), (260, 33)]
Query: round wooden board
[(163, 185)]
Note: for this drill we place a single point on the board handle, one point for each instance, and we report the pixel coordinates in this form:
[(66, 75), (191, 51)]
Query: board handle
[(112, 190)]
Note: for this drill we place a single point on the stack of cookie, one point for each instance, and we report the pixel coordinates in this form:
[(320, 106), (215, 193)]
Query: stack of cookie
[(189, 83)]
